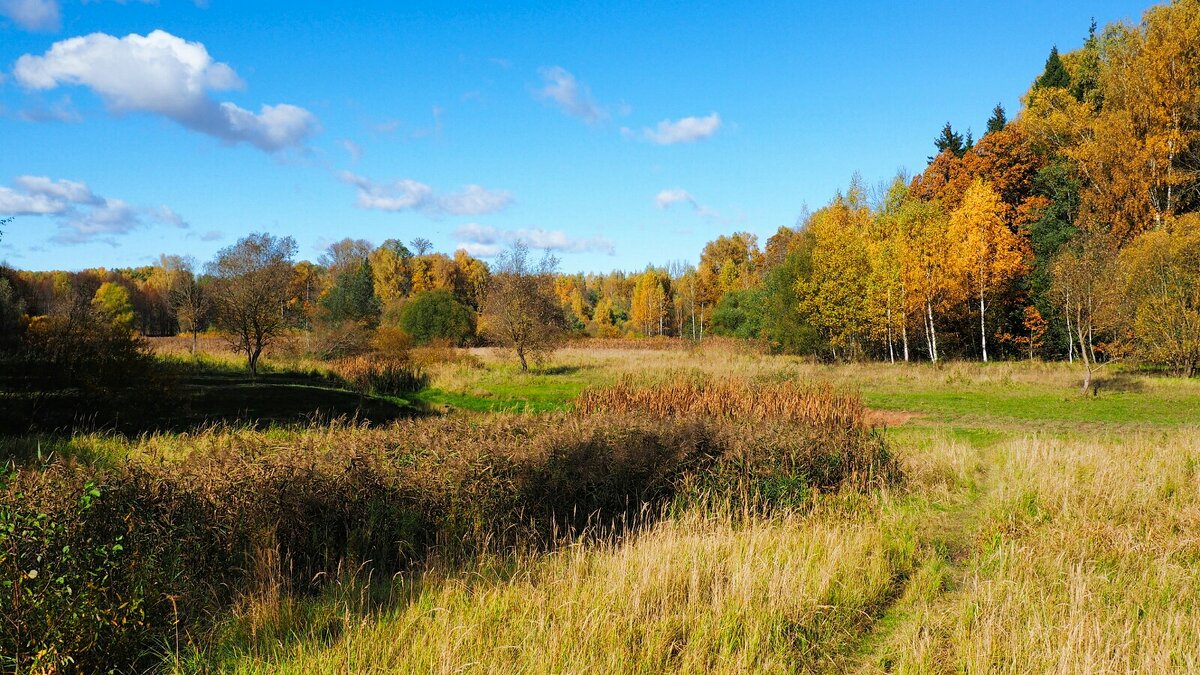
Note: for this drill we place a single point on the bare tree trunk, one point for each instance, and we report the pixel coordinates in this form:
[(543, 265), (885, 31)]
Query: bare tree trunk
[(904, 336), (932, 331), (1083, 350), (1070, 333), (521, 356), (982, 329), (195, 339)]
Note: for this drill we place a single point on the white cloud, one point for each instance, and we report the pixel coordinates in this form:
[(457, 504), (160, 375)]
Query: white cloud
[(163, 74), (82, 215), (572, 97), (406, 194), (32, 15), (665, 198), (486, 241), (685, 130), (478, 250)]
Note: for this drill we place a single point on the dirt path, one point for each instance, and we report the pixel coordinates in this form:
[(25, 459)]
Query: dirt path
[(948, 533)]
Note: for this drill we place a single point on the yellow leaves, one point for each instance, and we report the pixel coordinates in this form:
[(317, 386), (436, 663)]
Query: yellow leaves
[(648, 307), (989, 253)]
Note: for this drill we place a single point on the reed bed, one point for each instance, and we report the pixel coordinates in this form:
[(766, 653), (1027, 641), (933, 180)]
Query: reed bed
[(819, 406), (372, 374)]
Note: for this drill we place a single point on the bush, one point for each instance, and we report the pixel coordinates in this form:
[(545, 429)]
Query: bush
[(381, 376), (437, 314)]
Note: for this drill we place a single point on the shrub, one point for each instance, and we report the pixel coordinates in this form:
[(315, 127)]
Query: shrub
[(381, 375), (437, 315)]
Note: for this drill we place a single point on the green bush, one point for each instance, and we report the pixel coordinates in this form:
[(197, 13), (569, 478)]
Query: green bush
[(437, 315)]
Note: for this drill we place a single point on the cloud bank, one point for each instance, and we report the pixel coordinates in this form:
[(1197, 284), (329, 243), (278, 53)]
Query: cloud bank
[(162, 74), (406, 194), (83, 216), (485, 241)]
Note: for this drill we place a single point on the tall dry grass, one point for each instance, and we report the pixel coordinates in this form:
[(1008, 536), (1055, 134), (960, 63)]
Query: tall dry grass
[(817, 406), (694, 595), (167, 536), (1083, 558)]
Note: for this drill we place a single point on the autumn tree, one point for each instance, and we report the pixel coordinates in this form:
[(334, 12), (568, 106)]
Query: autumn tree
[(389, 267), (648, 306), (1160, 276), (992, 254), (835, 295), (111, 302), (250, 292), (886, 290), (727, 263), (930, 268), (1083, 278), (189, 295), (520, 309)]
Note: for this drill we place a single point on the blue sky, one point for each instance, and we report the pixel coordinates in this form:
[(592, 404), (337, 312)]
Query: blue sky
[(618, 134)]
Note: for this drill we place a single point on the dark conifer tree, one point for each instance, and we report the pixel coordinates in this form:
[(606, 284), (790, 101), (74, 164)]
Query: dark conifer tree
[(949, 140), (998, 120), (1055, 74)]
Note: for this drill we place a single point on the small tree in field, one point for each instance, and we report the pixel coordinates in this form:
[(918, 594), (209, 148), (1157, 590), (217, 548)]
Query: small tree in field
[(251, 291), (520, 310), (189, 295)]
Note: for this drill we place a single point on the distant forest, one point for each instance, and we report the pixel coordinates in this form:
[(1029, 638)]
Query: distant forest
[(1070, 230)]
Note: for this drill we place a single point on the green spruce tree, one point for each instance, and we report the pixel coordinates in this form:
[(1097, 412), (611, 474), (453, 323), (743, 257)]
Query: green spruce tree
[(949, 140), (998, 120), (1055, 73)]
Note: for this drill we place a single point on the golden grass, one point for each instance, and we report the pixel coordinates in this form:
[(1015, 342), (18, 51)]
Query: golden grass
[(694, 595), (817, 406), (1084, 560)]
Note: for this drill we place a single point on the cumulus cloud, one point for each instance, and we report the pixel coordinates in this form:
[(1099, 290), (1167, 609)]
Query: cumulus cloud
[(166, 75), (486, 241), (406, 194), (665, 198), (574, 98), (685, 130), (32, 15), (82, 215)]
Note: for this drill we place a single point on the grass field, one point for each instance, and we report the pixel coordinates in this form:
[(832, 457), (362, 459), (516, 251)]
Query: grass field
[(1035, 531)]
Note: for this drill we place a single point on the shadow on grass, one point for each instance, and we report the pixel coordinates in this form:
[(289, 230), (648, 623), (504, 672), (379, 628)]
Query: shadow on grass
[(203, 395)]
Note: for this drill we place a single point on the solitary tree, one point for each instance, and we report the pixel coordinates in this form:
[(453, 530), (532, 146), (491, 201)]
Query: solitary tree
[(421, 245), (190, 297), (250, 292), (520, 309)]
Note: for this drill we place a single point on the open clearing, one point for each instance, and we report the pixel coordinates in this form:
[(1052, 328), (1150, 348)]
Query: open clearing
[(1035, 531)]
